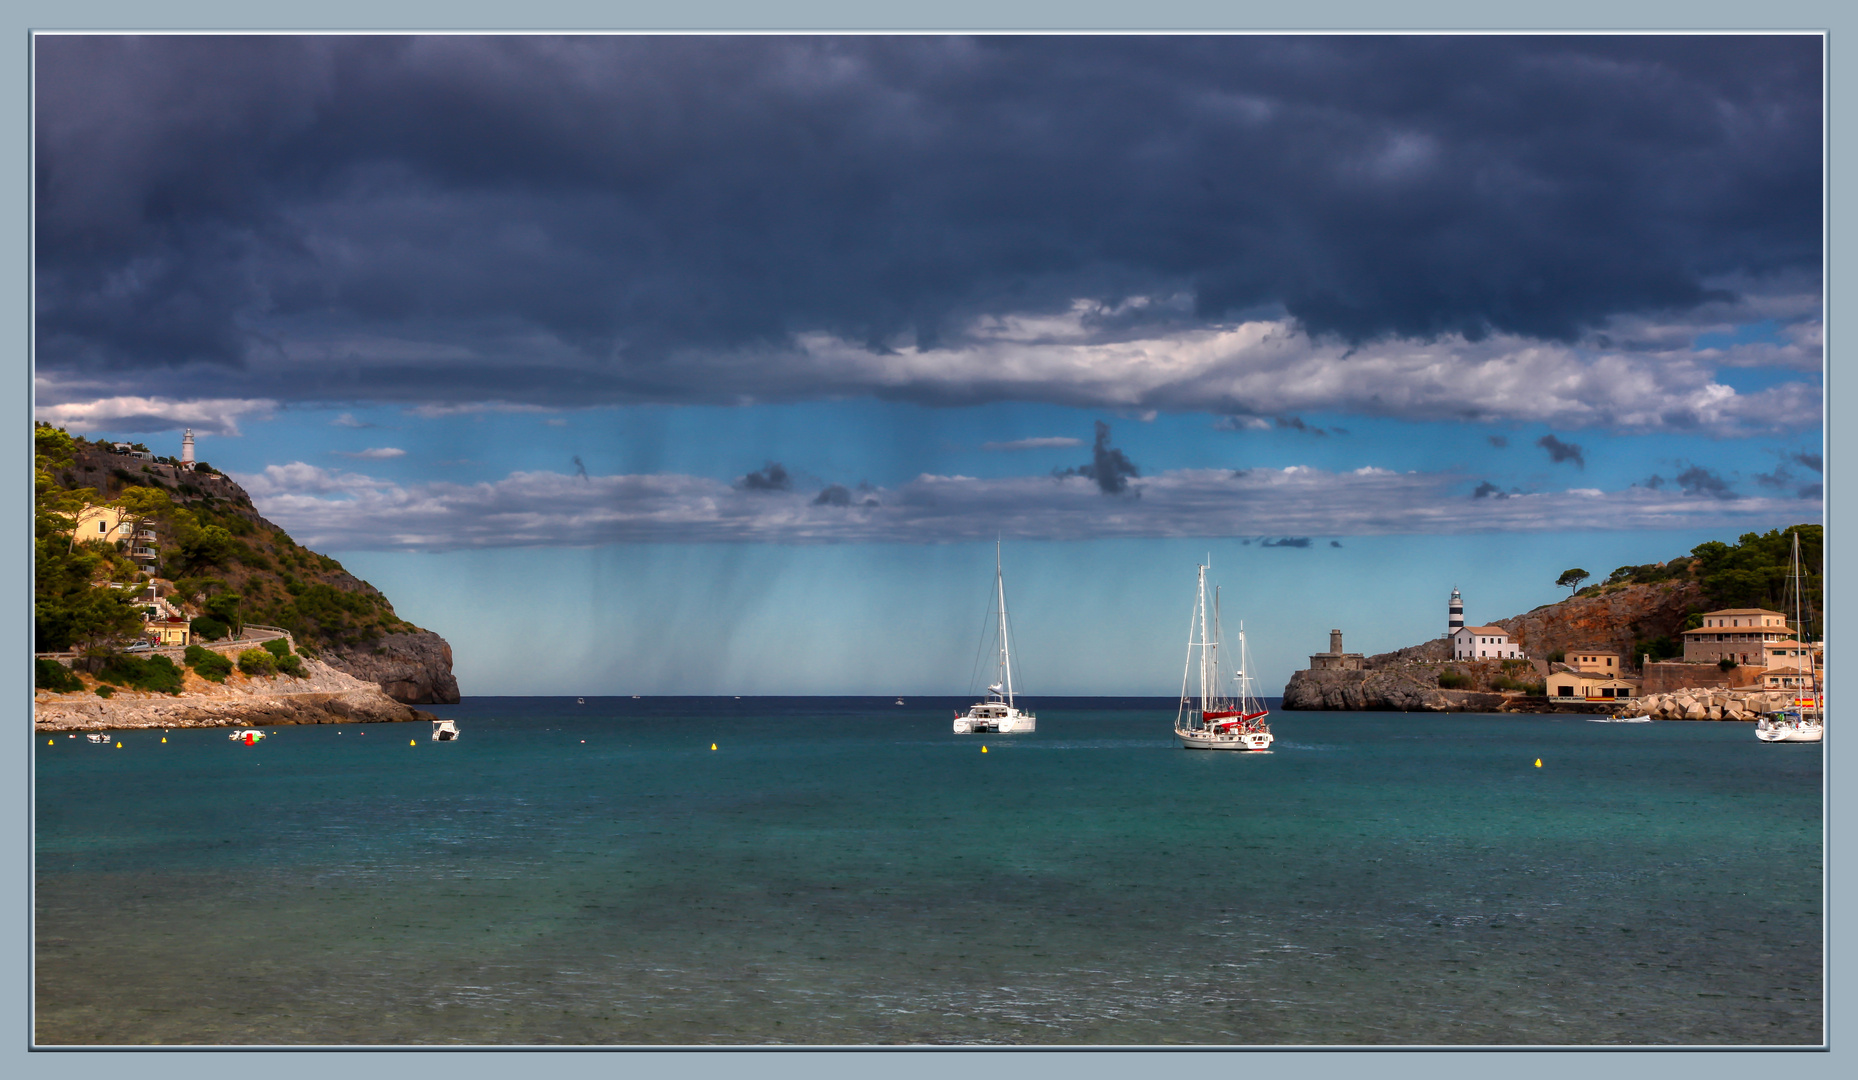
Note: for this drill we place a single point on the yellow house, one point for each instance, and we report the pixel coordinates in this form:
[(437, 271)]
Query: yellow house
[(1595, 661), (109, 523), (1570, 685), (170, 631)]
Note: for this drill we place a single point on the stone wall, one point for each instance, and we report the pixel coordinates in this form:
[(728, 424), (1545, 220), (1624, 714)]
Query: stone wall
[(1664, 676)]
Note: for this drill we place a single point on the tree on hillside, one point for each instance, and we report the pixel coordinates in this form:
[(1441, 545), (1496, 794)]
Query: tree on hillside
[(1571, 579)]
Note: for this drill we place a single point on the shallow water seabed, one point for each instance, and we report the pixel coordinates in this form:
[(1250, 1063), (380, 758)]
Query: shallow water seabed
[(837, 872)]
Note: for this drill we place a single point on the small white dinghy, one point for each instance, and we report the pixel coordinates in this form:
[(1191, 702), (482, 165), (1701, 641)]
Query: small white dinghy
[(1620, 719)]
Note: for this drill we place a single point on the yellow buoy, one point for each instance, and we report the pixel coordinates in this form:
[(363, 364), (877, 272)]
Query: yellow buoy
[(164, 738), (119, 746), (712, 746), (48, 742), (1538, 763), (983, 749)]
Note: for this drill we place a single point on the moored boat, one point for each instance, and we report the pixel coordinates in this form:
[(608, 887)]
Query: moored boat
[(444, 730), (996, 713), (1212, 721), (1805, 719)]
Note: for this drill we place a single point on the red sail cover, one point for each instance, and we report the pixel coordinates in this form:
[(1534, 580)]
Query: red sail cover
[(1210, 716)]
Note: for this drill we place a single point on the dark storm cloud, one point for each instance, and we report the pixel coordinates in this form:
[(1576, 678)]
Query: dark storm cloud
[(1295, 423), (1811, 461), (550, 219), (1698, 480), (1486, 490), (1287, 542), (1109, 467), (1559, 451), (770, 477), (834, 495), (1335, 543)]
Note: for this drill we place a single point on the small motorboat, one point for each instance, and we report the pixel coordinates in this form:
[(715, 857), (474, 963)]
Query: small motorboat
[(444, 731), (97, 737), (899, 701), (1619, 719)]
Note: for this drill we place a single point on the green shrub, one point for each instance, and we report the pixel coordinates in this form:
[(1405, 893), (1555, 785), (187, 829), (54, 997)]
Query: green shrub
[(207, 628), (278, 647), (54, 676), (257, 662), (291, 664), (210, 665), (104, 690), (1453, 680), (156, 673)]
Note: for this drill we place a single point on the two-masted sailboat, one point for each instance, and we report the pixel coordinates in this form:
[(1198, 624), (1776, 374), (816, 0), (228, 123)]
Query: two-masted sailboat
[(1805, 720), (1214, 721), (997, 713)]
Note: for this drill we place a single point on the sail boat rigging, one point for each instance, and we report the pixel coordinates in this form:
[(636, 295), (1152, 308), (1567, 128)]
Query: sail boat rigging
[(997, 712), (1215, 721), (1805, 720)]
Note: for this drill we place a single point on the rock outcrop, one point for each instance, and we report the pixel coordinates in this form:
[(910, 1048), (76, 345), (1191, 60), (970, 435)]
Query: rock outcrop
[(1398, 689), (412, 668), (1613, 619), (323, 696)]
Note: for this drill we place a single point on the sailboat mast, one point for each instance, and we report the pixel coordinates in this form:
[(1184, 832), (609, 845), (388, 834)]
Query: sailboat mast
[(1006, 665), (1205, 641), (1799, 622)]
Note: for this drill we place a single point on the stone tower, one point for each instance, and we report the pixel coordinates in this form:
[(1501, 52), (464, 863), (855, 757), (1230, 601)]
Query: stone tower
[(1335, 642), (187, 449), (1455, 614)]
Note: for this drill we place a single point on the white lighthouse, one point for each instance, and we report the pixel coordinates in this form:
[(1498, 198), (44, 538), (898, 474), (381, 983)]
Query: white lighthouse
[(187, 450), (1454, 613)]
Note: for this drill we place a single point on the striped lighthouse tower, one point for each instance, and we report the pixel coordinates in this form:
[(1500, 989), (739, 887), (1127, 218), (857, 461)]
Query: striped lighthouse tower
[(1455, 615)]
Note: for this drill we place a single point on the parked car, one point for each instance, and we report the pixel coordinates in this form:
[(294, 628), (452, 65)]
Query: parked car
[(141, 646)]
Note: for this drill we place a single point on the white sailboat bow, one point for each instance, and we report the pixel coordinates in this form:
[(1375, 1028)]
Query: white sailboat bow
[(997, 713), (1214, 721)]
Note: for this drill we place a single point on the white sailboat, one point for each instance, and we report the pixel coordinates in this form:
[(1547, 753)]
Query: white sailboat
[(1805, 719), (997, 714), (1215, 721)]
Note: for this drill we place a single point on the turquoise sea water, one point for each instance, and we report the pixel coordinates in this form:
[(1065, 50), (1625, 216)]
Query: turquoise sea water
[(849, 871)]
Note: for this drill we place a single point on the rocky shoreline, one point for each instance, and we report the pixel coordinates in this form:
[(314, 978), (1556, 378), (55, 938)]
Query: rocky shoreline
[(323, 696)]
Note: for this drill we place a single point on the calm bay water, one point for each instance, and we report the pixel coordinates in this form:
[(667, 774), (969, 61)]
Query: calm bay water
[(849, 871)]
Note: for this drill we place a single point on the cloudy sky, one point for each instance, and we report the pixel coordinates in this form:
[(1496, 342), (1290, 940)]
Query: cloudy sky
[(716, 364)]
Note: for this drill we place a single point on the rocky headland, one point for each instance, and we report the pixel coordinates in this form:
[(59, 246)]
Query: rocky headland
[(323, 695), (1613, 617), (215, 542)]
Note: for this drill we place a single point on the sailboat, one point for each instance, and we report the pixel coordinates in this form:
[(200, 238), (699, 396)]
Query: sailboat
[(996, 713), (1805, 719), (1217, 722)]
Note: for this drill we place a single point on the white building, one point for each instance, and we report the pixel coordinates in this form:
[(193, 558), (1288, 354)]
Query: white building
[(1484, 643)]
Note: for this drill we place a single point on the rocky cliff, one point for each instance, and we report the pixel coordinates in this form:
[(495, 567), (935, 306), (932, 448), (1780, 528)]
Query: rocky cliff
[(412, 667), (1613, 619), (1397, 688)]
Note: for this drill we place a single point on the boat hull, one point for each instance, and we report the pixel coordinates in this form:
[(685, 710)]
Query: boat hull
[(1192, 739), (1791, 733), (1012, 725)]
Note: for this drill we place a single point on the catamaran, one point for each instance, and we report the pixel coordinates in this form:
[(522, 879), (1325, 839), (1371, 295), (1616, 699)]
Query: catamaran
[(1217, 722), (996, 714), (1805, 719)]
